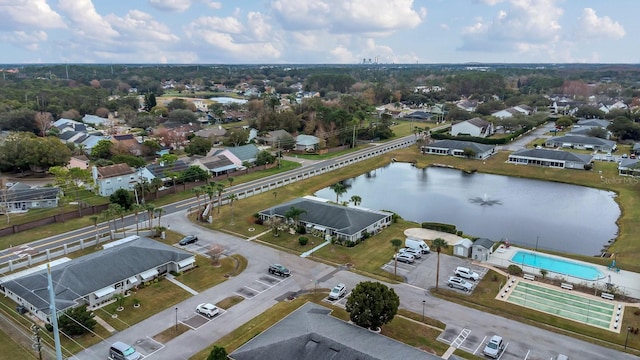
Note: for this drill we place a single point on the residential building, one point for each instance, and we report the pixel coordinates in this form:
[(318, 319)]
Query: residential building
[(238, 155), (307, 143), (514, 111), (326, 219), (550, 158), (467, 105), (629, 167), (274, 138), (21, 197), (481, 249), (110, 178), (458, 147), (581, 142), (93, 279), (473, 127), (462, 248), (78, 161), (216, 165), (311, 333), (127, 143), (162, 171)]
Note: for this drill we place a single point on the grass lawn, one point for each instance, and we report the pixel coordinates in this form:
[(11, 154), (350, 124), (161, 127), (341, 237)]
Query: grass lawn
[(402, 328), (228, 302), (206, 276)]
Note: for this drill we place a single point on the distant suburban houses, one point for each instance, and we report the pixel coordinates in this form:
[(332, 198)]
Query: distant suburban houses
[(514, 111), (629, 167), (22, 197), (458, 147), (93, 279), (473, 127), (581, 142), (550, 158), (327, 219)]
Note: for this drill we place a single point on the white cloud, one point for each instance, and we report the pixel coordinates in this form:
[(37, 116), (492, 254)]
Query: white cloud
[(342, 55), (140, 28), (171, 5), (524, 25), (86, 22), (591, 26), (28, 40), (348, 16), (215, 5), (489, 2), (29, 15)]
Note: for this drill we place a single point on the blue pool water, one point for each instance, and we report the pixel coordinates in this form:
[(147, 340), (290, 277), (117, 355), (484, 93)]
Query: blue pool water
[(556, 265)]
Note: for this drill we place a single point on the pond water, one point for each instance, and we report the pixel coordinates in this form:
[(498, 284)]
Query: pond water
[(228, 100), (534, 213)]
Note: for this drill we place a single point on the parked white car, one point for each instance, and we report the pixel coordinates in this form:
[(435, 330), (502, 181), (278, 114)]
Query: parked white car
[(415, 252), (494, 347), (207, 309), (459, 283), (337, 292), (405, 258), (466, 273)]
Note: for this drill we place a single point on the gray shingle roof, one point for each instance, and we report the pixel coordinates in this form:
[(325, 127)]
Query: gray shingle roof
[(244, 152), (554, 155), (21, 192), (460, 145), (576, 139), (311, 333), (84, 275), (484, 242), (343, 219), (161, 171)]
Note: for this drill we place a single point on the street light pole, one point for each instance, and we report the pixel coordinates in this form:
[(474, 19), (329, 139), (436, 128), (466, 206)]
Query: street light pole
[(176, 319), (627, 339), (423, 303)]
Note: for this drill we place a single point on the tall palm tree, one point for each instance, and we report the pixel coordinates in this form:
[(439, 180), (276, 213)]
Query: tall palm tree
[(197, 191), (439, 244), (114, 212), (94, 219), (150, 208), (339, 189), (295, 213), (356, 200), (396, 243), (155, 185), (210, 190), (231, 198), (220, 190), (136, 210), (159, 211), (230, 181)]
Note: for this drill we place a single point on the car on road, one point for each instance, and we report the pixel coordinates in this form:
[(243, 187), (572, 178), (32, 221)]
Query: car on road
[(189, 239), (408, 250), (337, 292), (207, 309), (494, 347), (280, 270), (466, 273), (459, 283), (405, 258)]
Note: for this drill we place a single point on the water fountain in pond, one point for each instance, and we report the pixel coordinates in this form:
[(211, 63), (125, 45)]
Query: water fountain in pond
[(485, 201)]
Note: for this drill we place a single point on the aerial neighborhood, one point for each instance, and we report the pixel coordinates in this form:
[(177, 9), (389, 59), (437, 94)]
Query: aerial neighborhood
[(320, 212)]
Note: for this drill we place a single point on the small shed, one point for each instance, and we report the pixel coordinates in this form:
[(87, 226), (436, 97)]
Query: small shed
[(482, 248), (462, 248)]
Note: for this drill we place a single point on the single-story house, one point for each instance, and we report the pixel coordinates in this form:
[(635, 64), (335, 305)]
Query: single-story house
[(327, 219), (78, 161), (629, 167), (514, 111), (162, 171), (310, 332), (550, 158), (273, 138), (417, 115), (594, 122), (216, 165), (473, 127), (307, 142), (636, 149), (581, 142), (467, 105), (94, 120), (93, 279), (457, 148), (22, 197), (213, 133), (237, 154), (110, 178), (128, 143), (462, 248), (481, 249)]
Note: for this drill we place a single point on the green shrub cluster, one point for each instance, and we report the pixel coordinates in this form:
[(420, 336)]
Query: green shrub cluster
[(448, 228)]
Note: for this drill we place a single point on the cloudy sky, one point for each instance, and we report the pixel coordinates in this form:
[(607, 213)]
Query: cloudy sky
[(318, 31)]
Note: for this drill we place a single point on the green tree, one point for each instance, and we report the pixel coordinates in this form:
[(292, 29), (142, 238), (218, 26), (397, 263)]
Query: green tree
[(217, 353), (439, 244), (264, 157), (564, 121), (102, 150), (372, 304), (294, 214), (339, 189), (76, 321), (131, 160), (237, 137), (149, 102), (198, 146), (396, 243), (123, 198), (219, 187), (182, 116), (469, 153), (232, 198), (356, 200)]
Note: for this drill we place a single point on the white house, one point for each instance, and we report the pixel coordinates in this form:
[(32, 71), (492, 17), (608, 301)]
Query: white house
[(473, 127), (110, 178), (457, 148), (307, 142), (550, 158)]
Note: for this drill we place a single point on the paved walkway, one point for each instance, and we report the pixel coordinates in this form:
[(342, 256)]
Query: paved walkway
[(104, 324), (307, 253), (185, 287)]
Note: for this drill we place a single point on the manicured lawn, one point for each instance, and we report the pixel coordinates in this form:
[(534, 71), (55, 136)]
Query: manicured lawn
[(206, 276)]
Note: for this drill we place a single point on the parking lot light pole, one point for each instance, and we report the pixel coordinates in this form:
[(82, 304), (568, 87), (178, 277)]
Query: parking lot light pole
[(627, 339), (176, 319), (423, 303)]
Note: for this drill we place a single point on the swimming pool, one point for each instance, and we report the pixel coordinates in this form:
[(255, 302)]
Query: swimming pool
[(557, 265)]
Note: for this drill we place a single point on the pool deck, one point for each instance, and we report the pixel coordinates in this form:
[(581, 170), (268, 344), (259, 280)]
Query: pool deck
[(626, 281)]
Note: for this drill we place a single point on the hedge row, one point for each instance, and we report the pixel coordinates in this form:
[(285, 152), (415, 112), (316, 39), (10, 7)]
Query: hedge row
[(448, 228)]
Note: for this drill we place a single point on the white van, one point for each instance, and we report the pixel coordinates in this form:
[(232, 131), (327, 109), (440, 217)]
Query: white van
[(417, 244), (122, 351)]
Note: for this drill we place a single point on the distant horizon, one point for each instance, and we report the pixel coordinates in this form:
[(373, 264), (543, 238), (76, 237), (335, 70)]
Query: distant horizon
[(337, 32), (314, 64)]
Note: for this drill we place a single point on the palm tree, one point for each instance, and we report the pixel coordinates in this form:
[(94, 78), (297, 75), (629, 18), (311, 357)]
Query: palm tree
[(94, 218), (231, 198), (150, 208), (159, 211), (356, 200), (230, 181), (121, 211), (439, 244), (220, 190), (197, 191), (274, 222), (155, 185), (396, 243), (136, 210), (114, 212), (339, 189), (294, 213), (210, 190)]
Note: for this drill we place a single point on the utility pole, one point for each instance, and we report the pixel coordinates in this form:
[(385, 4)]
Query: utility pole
[(53, 314), (37, 346), (353, 143)]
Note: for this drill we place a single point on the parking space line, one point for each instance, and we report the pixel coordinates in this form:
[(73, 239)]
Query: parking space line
[(481, 343), (526, 356), (503, 351), (263, 283), (461, 338), (158, 349), (252, 289)]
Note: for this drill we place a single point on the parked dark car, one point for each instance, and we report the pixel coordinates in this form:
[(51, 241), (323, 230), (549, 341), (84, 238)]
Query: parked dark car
[(279, 270), (189, 239)]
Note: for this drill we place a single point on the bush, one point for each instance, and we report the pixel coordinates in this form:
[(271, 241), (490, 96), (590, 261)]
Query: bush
[(448, 228), (515, 270), (259, 222), (301, 229), (303, 240)]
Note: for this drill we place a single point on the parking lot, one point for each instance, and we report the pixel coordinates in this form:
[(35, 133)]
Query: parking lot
[(260, 285)]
